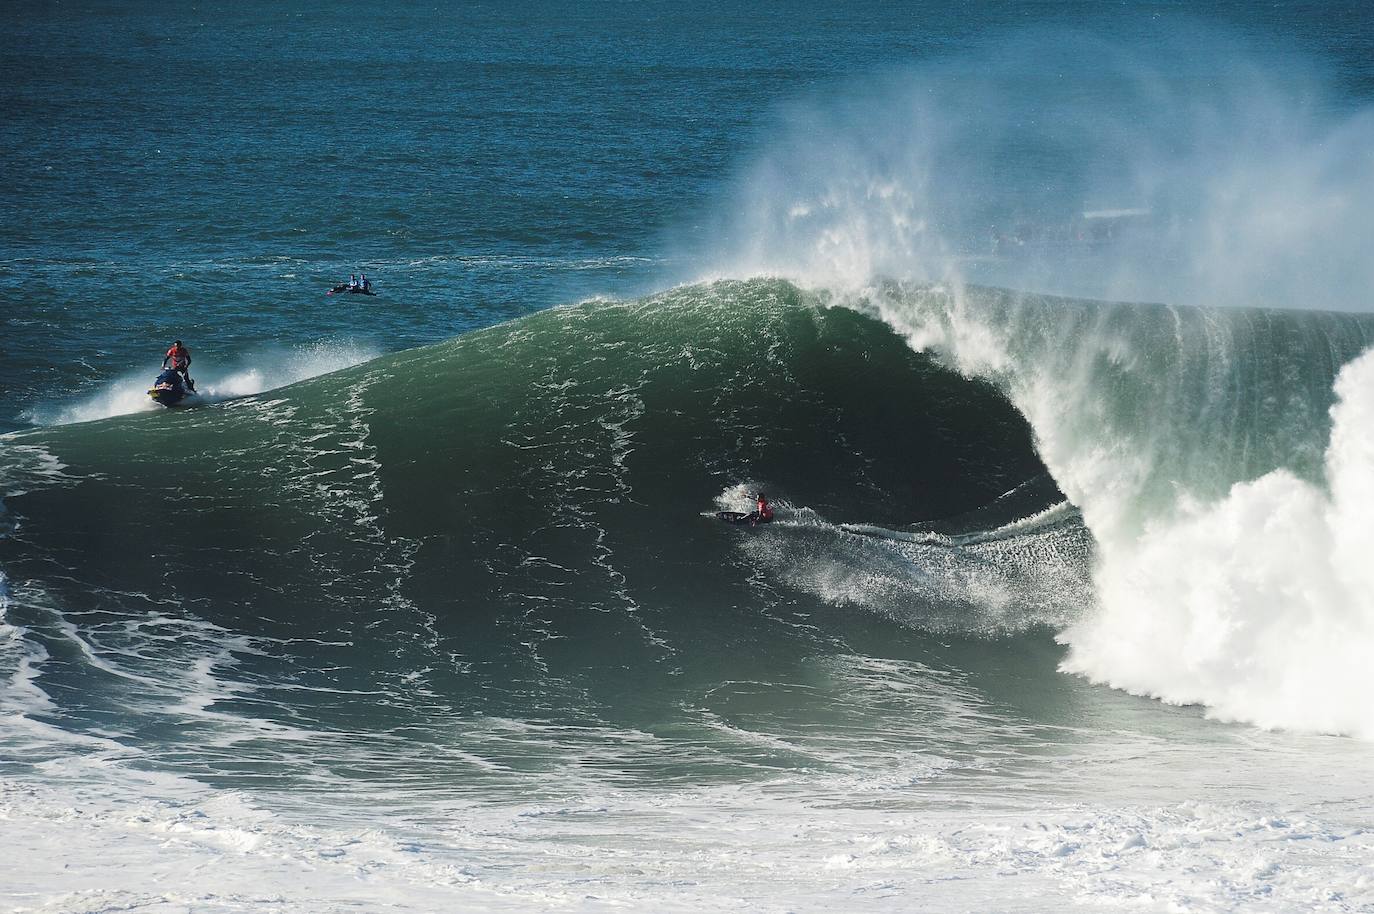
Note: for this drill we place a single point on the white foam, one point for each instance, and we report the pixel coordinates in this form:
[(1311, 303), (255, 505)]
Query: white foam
[(99, 838), (1031, 572), (25, 467), (1261, 605)]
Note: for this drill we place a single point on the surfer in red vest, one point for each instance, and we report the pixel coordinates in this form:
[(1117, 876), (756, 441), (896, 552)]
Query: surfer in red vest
[(179, 358), (764, 512)]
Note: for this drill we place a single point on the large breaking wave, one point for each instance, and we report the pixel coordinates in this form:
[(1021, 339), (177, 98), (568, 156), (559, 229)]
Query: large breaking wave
[(1222, 477), (1218, 456), (509, 523), (508, 526)]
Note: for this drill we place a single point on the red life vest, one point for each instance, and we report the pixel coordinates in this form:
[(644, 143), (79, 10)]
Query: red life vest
[(765, 510), (181, 358)]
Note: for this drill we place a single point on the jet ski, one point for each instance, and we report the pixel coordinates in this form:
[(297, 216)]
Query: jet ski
[(169, 389), (351, 290)]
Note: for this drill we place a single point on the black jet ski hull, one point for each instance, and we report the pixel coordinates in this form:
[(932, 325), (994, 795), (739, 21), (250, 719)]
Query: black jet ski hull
[(346, 290)]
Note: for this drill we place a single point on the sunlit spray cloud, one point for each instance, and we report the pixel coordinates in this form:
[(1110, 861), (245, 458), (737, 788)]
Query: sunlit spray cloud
[(265, 369), (1198, 170)]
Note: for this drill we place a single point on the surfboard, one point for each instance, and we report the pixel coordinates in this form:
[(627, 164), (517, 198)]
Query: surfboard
[(741, 517)]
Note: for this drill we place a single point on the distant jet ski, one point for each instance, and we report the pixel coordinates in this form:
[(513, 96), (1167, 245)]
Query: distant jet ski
[(169, 389), (351, 290)]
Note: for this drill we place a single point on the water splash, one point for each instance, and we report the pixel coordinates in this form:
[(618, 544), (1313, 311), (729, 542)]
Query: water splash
[(1258, 604), (265, 369)]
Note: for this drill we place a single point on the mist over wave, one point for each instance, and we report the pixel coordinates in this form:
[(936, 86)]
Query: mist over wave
[(1215, 465), (1195, 168)]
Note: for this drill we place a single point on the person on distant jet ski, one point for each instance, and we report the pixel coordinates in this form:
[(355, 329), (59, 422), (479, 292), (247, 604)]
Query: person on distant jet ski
[(365, 284), (179, 358), (352, 281), (763, 513)]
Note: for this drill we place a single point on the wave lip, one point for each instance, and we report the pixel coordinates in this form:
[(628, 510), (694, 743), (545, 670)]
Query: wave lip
[(1216, 456)]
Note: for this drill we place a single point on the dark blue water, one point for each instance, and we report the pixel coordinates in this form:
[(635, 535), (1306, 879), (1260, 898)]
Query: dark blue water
[(206, 171)]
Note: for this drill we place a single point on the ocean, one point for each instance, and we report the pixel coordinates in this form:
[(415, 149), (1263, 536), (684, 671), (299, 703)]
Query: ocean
[(1046, 326)]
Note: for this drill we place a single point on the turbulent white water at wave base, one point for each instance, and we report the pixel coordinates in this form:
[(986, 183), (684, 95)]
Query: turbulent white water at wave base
[(1260, 606), (680, 851)]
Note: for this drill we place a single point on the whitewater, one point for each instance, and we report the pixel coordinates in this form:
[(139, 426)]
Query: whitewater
[(1052, 350)]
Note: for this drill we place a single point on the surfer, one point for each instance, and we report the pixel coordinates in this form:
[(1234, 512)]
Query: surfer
[(764, 512), (179, 358)]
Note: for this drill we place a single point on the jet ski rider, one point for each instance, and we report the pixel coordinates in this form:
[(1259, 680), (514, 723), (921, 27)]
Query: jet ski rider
[(180, 359)]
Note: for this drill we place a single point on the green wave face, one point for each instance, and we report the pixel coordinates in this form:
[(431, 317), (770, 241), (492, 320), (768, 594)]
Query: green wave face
[(447, 546), (510, 522)]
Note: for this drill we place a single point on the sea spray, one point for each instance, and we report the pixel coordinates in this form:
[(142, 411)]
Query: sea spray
[(1195, 168)]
